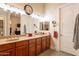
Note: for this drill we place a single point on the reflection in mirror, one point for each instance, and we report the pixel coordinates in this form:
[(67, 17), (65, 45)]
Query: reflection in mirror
[(9, 23), (14, 24), (1, 27)]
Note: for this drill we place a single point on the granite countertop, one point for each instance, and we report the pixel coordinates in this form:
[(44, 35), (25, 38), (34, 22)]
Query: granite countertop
[(22, 38)]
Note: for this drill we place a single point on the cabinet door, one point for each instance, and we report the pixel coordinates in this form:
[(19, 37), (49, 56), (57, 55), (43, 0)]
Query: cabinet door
[(38, 46), (10, 52), (22, 51), (43, 44), (38, 49), (48, 43), (32, 47), (32, 50)]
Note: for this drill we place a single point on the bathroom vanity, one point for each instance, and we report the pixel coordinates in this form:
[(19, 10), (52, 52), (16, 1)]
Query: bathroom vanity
[(25, 46)]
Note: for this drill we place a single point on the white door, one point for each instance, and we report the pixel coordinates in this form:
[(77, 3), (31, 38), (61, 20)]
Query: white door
[(68, 14)]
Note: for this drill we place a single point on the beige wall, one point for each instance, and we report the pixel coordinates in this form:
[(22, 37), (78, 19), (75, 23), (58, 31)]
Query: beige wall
[(52, 13), (38, 8)]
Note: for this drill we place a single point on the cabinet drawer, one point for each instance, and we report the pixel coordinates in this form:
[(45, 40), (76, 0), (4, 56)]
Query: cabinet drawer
[(31, 41), (22, 51), (22, 43), (31, 51), (38, 50), (7, 46)]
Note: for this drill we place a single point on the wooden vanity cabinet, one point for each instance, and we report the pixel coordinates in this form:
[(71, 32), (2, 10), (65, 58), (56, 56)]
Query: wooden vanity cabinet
[(29, 47), (22, 48), (44, 43), (38, 46), (21, 51), (32, 47), (7, 49)]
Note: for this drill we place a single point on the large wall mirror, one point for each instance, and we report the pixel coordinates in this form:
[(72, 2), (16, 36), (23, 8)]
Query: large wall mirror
[(12, 24)]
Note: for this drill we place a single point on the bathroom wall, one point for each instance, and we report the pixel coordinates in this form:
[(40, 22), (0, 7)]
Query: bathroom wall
[(38, 8), (65, 15), (52, 13)]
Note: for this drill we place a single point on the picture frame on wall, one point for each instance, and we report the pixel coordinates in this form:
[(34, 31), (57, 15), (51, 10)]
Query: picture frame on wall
[(44, 25)]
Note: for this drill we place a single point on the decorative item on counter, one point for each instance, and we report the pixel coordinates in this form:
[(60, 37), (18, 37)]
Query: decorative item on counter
[(35, 32), (36, 28), (17, 31), (25, 29), (55, 33), (35, 25), (10, 30), (29, 35)]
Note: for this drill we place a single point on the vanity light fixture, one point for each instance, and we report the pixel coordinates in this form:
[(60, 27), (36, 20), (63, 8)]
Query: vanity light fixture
[(28, 10), (36, 16), (12, 9), (5, 7)]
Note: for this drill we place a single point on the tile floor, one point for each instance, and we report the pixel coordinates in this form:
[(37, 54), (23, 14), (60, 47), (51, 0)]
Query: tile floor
[(51, 52)]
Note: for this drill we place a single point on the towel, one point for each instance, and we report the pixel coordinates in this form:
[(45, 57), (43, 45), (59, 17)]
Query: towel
[(76, 33)]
